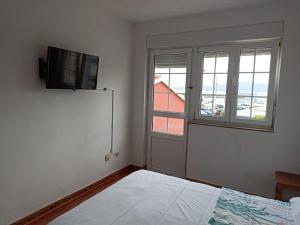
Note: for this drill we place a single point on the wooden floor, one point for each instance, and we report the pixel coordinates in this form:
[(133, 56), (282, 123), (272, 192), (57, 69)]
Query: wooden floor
[(50, 212)]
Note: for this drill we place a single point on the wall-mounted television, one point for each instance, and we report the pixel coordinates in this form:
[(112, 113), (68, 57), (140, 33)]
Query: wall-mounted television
[(71, 70)]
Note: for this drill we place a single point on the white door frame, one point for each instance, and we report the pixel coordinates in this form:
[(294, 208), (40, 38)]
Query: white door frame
[(150, 111)]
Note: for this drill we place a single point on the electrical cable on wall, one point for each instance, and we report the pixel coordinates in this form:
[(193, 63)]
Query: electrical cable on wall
[(111, 151)]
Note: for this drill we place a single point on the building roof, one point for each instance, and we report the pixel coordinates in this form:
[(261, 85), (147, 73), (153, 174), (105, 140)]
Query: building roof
[(170, 90)]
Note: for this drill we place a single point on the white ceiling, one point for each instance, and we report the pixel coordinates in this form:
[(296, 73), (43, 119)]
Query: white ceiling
[(146, 10)]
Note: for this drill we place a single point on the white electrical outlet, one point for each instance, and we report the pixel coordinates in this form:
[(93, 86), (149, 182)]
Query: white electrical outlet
[(107, 157)]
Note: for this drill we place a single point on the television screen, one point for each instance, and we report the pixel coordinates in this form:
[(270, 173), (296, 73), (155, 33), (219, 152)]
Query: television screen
[(71, 70)]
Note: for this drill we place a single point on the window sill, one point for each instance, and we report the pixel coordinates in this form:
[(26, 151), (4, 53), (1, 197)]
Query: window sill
[(233, 125)]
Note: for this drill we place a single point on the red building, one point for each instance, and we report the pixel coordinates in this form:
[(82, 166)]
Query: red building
[(165, 99)]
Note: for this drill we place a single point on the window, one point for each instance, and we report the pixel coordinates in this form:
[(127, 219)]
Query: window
[(168, 125), (169, 78), (237, 84), (253, 84), (214, 84)]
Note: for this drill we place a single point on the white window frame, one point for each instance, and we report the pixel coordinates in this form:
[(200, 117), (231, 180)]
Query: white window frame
[(201, 53), (176, 115), (230, 118)]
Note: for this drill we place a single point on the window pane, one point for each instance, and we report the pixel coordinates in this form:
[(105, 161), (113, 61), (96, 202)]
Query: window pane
[(170, 82), (247, 60), (214, 84), (206, 106), (263, 60), (159, 124), (245, 84), (259, 106), (261, 83), (243, 108), (161, 83), (175, 126), (220, 84), (161, 70), (219, 106), (178, 70), (222, 63), (208, 84), (209, 63), (177, 82), (254, 84), (168, 125), (161, 101), (176, 102)]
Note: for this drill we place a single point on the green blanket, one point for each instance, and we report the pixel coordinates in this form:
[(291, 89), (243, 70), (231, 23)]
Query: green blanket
[(237, 208)]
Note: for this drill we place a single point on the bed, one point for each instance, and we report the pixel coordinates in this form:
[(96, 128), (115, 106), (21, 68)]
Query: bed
[(150, 198)]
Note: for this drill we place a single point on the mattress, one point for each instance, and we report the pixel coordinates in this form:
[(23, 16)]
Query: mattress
[(149, 198)]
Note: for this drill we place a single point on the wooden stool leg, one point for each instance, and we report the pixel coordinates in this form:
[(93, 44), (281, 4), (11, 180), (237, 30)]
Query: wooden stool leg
[(278, 192)]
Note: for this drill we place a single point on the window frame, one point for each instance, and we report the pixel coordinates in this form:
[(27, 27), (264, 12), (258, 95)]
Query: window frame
[(230, 119), (200, 58), (168, 114)]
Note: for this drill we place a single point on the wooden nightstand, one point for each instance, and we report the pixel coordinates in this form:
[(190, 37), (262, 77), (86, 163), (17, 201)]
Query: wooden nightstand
[(287, 181)]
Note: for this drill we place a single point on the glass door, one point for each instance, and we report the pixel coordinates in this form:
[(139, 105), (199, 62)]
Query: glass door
[(168, 106)]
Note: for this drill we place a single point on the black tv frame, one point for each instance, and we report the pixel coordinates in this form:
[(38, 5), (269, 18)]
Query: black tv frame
[(43, 65)]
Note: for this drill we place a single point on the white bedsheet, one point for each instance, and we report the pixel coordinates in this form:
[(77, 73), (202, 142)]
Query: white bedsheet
[(295, 210), (146, 197)]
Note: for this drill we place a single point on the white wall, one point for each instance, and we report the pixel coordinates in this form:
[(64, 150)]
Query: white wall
[(245, 160), (53, 142)]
